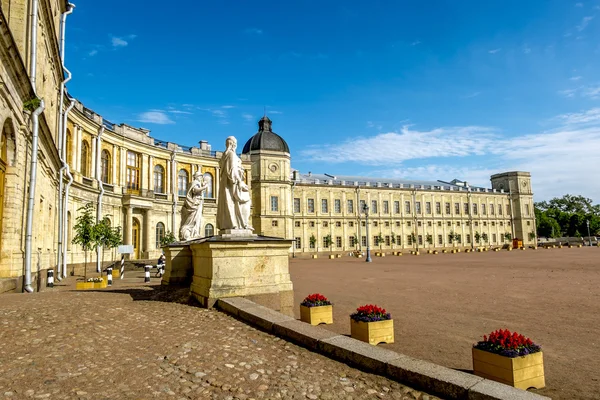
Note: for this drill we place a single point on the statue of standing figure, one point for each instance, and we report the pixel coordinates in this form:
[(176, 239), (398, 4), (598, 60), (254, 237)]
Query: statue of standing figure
[(191, 212), (233, 208)]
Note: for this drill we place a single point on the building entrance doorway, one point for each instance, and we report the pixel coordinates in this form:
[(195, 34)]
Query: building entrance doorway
[(135, 239)]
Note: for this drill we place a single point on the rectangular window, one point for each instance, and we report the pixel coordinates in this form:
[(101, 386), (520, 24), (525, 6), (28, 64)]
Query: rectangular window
[(296, 205), (274, 203), (325, 239), (352, 241), (419, 223), (493, 223), (420, 239), (456, 208), (374, 206), (397, 223), (133, 172), (350, 223), (338, 242), (338, 224), (447, 208), (485, 223), (407, 207), (337, 206), (362, 223), (298, 243), (350, 206), (312, 245), (408, 223), (409, 240), (439, 223), (483, 210), (311, 224), (399, 240), (440, 239), (428, 223), (508, 209), (376, 240), (297, 224), (466, 208), (364, 240), (449, 223), (499, 209), (386, 207), (491, 209), (274, 223), (428, 207), (396, 207), (527, 210), (311, 205), (468, 239), (450, 238), (325, 224), (418, 207), (362, 205), (324, 208), (387, 241), (458, 238), (375, 223), (387, 223), (474, 209), (438, 207), (493, 238)]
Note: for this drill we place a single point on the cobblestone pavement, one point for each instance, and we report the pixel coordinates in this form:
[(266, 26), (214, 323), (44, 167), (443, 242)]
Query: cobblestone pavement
[(62, 344)]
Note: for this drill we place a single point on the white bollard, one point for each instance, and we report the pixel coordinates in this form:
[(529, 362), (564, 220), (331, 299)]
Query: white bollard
[(147, 273), (109, 276), (50, 281)]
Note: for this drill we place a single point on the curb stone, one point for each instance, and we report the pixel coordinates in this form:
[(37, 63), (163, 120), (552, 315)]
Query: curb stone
[(419, 374)]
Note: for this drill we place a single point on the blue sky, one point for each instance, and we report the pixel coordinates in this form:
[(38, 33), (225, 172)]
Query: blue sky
[(399, 89)]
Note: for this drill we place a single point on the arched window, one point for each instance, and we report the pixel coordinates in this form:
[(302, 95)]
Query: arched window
[(209, 230), (160, 233), (105, 166), (159, 174), (208, 179), (85, 154), (182, 182), (68, 148)]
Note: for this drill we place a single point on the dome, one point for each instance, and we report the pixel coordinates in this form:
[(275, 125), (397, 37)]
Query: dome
[(265, 139)]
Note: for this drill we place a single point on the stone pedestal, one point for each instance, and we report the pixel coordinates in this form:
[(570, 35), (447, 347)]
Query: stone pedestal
[(178, 265), (254, 267)]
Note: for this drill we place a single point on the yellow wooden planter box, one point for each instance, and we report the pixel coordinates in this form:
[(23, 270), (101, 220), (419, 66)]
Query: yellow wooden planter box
[(314, 256), (91, 285), (317, 315), (521, 372), (331, 256), (399, 253), (373, 332), (338, 256)]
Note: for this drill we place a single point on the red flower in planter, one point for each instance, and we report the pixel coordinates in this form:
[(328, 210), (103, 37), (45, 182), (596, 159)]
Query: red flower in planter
[(370, 313), (508, 344), (315, 300)]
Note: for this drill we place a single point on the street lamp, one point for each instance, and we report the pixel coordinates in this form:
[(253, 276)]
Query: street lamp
[(366, 211), (587, 222)]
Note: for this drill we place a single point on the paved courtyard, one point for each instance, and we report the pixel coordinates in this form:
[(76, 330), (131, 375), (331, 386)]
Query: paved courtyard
[(63, 344), (442, 304)]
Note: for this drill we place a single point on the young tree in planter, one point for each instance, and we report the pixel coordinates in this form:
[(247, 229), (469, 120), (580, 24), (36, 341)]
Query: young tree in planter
[(484, 236), (167, 239), (85, 233), (393, 239), (413, 239), (327, 241), (102, 236), (452, 237), (477, 237), (507, 236), (531, 235), (313, 241), (429, 239), (115, 239), (380, 241)]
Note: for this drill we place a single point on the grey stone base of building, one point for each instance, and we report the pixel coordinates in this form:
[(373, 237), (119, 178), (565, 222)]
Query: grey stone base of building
[(422, 375)]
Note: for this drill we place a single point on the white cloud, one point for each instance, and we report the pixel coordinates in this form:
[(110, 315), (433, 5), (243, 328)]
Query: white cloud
[(592, 92), (119, 42), (275, 112), (155, 117), (578, 4), (575, 78), (253, 31), (471, 95), (494, 51), (416, 42), (179, 112), (587, 91), (584, 23), (228, 106), (248, 117), (526, 49), (92, 53), (557, 159)]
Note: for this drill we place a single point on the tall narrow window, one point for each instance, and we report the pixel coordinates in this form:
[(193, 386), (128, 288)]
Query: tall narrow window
[(105, 166), (373, 206), (428, 207), (182, 182), (209, 230), (438, 208), (483, 209), (474, 209), (386, 207), (491, 209), (296, 205), (324, 208), (337, 206), (456, 208), (133, 172), (447, 208), (407, 207), (396, 207), (350, 206), (418, 207), (85, 162), (208, 180), (274, 203), (310, 205), (159, 175), (68, 148), (160, 234)]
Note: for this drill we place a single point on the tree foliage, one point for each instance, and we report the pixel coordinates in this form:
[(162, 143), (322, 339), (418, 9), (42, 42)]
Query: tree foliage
[(567, 216), (85, 231), (167, 239)]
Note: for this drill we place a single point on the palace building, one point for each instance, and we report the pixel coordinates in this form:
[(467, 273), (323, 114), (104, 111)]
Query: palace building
[(57, 156)]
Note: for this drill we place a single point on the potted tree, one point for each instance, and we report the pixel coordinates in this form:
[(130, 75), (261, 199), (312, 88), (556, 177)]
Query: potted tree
[(379, 241), (477, 237), (508, 238), (372, 324), (509, 358), (327, 241), (313, 243), (484, 237), (315, 309), (413, 239), (85, 236), (429, 240)]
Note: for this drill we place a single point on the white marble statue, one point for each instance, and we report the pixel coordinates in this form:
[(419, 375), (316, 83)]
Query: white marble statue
[(233, 207), (191, 212)]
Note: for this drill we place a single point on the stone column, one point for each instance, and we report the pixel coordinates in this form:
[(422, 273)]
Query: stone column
[(77, 146), (93, 158), (150, 173), (128, 225), (123, 154), (115, 154), (143, 173), (216, 183), (148, 244), (168, 180)]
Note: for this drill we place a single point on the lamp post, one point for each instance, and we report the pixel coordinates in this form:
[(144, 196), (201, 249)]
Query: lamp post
[(587, 222), (366, 211)]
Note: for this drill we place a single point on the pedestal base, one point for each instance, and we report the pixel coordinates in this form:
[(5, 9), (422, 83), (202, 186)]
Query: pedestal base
[(254, 267)]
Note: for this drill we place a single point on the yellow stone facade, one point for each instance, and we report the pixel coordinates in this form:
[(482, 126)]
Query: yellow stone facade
[(149, 204)]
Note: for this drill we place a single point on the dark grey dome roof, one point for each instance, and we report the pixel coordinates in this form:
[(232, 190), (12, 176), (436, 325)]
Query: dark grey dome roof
[(265, 139)]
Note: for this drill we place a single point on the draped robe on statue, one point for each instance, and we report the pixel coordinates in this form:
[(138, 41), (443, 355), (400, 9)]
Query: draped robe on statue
[(233, 208), (191, 212)]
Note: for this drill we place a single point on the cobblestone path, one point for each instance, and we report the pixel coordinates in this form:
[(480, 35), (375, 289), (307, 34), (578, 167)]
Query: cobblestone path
[(62, 344)]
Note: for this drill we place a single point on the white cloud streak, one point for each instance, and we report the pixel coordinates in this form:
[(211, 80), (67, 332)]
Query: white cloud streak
[(584, 23), (494, 51), (155, 117)]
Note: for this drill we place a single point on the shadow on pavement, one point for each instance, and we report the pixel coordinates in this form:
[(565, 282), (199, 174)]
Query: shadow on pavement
[(158, 292)]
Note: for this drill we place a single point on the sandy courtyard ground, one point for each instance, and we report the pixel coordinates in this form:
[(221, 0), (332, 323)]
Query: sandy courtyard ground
[(442, 304)]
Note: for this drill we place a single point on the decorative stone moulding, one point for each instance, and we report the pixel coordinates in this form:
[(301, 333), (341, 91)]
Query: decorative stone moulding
[(521, 372), (373, 332), (316, 315)]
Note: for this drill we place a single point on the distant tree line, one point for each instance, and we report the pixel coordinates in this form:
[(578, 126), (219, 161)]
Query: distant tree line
[(567, 216)]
